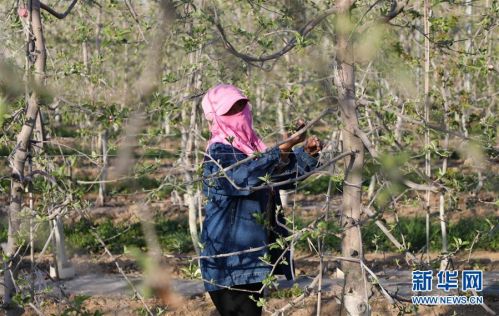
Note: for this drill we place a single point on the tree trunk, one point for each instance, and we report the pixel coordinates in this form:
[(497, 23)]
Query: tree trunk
[(467, 76), (443, 220), (491, 109), (39, 133), (284, 194), (190, 195), (126, 86), (102, 145), (84, 51), (355, 296), (188, 136), (427, 119), (20, 155)]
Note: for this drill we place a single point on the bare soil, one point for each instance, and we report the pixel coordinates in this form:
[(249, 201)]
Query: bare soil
[(202, 306), (124, 208)]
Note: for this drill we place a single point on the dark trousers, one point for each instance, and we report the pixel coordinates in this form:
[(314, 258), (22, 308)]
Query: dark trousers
[(237, 303)]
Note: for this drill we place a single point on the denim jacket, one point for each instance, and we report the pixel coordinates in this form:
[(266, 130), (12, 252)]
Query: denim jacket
[(231, 222)]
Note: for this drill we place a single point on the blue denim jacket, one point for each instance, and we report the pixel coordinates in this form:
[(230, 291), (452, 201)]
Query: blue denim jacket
[(230, 224)]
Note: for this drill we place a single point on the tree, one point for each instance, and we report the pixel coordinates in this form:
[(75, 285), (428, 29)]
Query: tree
[(23, 148), (355, 292)]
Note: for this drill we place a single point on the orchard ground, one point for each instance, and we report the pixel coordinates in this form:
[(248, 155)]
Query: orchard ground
[(118, 224)]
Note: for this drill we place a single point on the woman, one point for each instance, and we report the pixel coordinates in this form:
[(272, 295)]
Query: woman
[(239, 218)]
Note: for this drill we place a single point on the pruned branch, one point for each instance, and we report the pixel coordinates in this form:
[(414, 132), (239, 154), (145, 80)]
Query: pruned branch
[(291, 43), (58, 15)]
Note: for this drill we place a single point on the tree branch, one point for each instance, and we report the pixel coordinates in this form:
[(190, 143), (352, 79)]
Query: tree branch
[(306, 292), (58, 15), (304, 31), (396, 8), (424, 123), (304, 176), (370, 147)]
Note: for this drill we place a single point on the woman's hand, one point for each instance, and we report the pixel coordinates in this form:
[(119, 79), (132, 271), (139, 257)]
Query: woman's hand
[(313, 146), (294, 139), (287, 147)]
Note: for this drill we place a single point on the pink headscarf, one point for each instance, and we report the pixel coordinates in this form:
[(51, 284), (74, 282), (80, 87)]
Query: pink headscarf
[(217, 102)]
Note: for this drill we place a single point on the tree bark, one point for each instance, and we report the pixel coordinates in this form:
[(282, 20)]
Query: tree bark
[(191, 197), (188, 136), (491, 109), (103, 135), (443, 219), (354, 295), (427, 119), (19, 156), (284, 194)]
